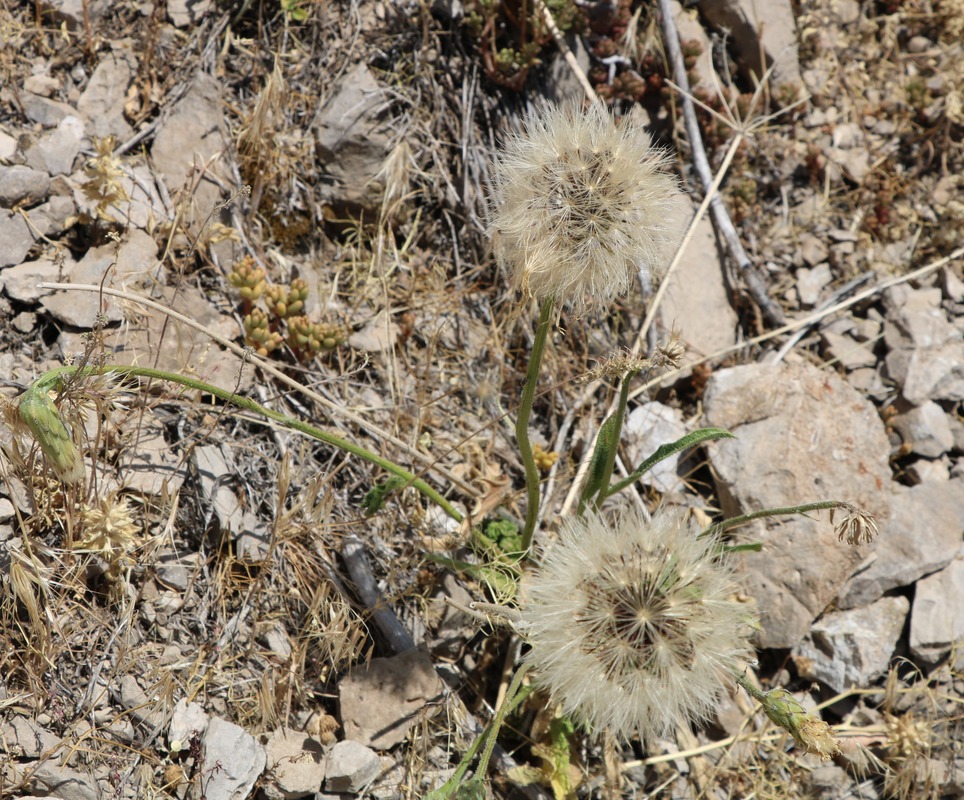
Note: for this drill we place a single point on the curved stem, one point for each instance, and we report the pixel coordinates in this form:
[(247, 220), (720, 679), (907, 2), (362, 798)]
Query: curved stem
[(56, 376), (522, 424)]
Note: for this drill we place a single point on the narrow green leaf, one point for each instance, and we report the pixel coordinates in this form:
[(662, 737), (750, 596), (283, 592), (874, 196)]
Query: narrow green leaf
[(664, 451)]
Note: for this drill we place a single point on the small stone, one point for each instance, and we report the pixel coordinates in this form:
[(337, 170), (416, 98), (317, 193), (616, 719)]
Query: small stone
[(295, 766), (16, 238), (64, 782), (811, 282), (351, 767), (183, 13), (43, 111), (848, 353), (55, 151), (8, 146), (813, 250), (187, 721), (43, 85), (24, 322), (20, 185), (926, 429), (240, 759)]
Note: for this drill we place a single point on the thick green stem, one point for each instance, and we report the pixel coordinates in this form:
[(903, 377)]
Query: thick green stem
[(56, 377), (522, 424)]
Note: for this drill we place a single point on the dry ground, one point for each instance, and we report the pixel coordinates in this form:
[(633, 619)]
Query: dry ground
[(405, 256)]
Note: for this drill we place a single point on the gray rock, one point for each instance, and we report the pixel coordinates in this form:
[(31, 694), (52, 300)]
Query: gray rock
[(647, 426), (353, 134), (926, 351), (16, 238), (240, 759), (696, 301), (766, 30), (789, 450), (381, 701), (20, 282), (44, 111), (296, 765), (183, 13), (8, 146), (51, 218), (351, 767), (812, 249), (189, 140), (848, 649), (55, 151), (20, 185), (811, 282), (23, 738), (922, 536), (42, 84), (64, 782), (926, 429), (74, 12), (102, 102), (937, 621), (850, 354), (187, 720)]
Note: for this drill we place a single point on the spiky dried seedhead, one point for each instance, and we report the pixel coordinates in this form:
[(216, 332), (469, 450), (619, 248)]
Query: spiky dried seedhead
[(631, 624), (580, 205)]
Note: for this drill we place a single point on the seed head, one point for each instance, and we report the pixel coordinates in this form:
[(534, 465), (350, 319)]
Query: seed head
[(580, 205), (630, 624)]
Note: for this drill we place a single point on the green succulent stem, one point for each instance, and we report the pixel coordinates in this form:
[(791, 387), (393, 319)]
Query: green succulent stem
[(57, 377), (522, 423)]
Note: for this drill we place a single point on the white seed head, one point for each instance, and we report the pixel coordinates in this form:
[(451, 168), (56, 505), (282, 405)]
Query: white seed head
[(580, 205), (631, 624)]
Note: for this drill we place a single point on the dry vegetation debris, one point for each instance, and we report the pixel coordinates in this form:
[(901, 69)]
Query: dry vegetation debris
[(330, 213)]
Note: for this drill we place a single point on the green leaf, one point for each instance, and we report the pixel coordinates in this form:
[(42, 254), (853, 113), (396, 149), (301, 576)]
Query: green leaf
[(664, 451), (606, 442), (375, 498)]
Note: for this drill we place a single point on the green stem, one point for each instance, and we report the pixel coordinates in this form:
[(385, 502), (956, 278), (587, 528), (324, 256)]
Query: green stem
[(522, 424), (56, 377), (820, 505), (514, 695)]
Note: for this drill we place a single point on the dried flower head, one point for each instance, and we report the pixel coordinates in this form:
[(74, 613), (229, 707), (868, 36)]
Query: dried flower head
[(580, 205), (808, 731), (631, 624)]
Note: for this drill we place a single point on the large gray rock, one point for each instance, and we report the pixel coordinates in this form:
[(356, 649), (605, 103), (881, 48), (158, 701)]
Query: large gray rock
[(380, 701), (55, 151), (16, 238), (937, 622), (922, 536), (802, 434), (848, 649)]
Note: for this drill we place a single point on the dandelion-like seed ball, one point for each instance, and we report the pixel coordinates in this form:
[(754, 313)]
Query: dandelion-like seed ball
[(631, 625), (580, 205)]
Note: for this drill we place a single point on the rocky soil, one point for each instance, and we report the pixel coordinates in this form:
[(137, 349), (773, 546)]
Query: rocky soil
[(225, 608)]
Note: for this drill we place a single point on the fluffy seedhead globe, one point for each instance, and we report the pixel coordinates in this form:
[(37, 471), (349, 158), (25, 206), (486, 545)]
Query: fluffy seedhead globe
[(631, 624), (580, 205)]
